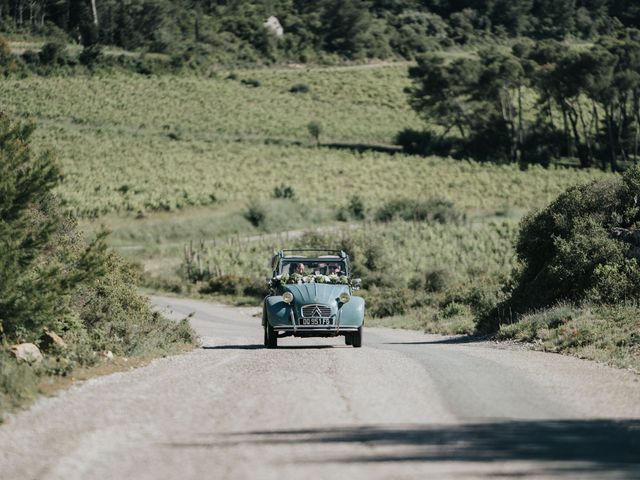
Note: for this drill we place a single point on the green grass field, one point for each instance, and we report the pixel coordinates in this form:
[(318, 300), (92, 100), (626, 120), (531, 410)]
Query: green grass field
[(130, 143)]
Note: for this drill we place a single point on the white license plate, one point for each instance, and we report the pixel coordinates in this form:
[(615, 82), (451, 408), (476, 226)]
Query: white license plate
[(316, 321)]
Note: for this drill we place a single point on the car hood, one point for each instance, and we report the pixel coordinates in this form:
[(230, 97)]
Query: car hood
[(324, 293)]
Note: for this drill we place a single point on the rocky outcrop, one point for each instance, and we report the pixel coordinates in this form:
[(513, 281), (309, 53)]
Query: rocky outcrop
[(51, 339), (273, 24), (27, 352)]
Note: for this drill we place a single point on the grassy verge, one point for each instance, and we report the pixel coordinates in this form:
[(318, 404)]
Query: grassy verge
[(84, 356), (444, 321), (608, 334)]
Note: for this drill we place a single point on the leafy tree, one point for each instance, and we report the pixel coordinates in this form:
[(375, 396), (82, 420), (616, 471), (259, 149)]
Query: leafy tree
[(37, 271), (346, 25), (512, 16), (417, 32), (53, 54), (554, 18), (500, 85), (439, 91), (315, 130)]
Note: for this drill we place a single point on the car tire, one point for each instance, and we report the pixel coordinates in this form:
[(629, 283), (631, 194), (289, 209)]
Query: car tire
[(356, 338), (270, 336), (348, 339)]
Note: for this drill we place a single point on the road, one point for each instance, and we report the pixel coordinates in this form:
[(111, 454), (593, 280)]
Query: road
[(406, 405)]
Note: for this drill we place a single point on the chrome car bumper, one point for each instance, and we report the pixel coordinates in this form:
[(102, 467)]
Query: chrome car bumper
[(296, 328), (315, 328)]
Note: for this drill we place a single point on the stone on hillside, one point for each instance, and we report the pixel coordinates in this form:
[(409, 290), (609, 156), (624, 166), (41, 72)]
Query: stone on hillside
[(274, 25), (50, 339), (27, 352)]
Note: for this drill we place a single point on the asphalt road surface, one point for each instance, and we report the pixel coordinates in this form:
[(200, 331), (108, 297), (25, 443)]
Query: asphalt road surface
[(406, 405)]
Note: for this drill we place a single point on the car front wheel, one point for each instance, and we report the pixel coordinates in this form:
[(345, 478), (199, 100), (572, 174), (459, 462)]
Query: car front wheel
[(270, 336), (356, 338), (348, 339)]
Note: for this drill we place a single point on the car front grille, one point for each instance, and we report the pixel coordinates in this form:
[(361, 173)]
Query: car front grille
[(316, 311)]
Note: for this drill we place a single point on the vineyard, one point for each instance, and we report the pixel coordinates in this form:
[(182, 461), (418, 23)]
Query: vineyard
[(131, 144), (467, 250)]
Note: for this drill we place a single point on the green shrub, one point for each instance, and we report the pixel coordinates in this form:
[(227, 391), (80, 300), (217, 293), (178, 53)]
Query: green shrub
[(315, 130), (454, 309), (433, 280), (122, 320), (255, 214), (416, 142), (300, 88), (173, 285), (387, 302), (235, 285), (30, 57), (356, 208), (284, 191), (250, 82), (481, 295), (432, 210), (53, 54), (91, 56)]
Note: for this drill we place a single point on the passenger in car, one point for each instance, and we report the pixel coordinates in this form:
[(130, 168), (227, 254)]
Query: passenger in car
[(297, 268)]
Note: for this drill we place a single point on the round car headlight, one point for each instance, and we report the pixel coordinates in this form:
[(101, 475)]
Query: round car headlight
[(287, 297), (344, 297)]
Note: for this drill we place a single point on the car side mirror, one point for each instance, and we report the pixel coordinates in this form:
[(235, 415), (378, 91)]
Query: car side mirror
[(356, 283)]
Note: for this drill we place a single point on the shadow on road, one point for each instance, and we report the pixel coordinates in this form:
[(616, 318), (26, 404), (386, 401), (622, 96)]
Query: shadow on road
[(260, 347), (233, 347), (444, 341), (559, 448)]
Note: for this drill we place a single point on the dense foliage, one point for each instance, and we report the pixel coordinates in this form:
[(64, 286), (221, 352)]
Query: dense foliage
[(538, 103), (312, 30), (584, 246), (52, 280), (40, 260)]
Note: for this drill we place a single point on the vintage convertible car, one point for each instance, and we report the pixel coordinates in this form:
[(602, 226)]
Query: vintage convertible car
[(311, 295)]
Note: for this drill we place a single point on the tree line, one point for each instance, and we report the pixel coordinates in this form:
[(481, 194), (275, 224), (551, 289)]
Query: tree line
[(347, 28), (534, 103)]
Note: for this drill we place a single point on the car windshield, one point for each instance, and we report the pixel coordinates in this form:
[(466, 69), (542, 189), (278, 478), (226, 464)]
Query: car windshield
[(314, 267)]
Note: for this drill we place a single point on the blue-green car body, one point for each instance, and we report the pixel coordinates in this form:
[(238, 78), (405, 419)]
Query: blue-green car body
[(314, 309)]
